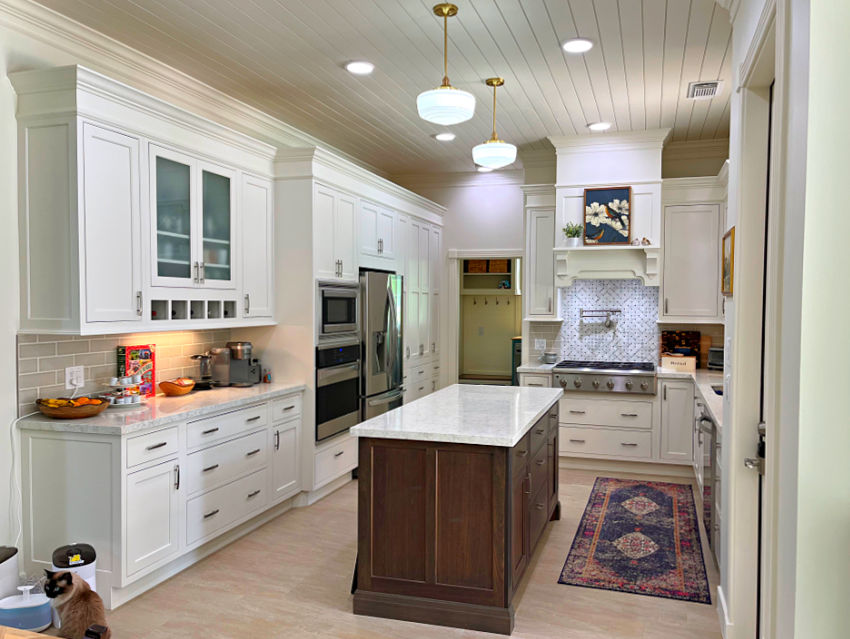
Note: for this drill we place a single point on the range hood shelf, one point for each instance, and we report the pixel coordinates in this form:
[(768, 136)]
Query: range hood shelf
[(607, 263)]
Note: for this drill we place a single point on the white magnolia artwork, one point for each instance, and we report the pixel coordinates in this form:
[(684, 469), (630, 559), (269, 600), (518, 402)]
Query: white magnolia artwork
[(607, 216)]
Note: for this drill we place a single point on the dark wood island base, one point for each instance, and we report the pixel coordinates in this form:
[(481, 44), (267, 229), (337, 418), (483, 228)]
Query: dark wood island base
[(446, 531)]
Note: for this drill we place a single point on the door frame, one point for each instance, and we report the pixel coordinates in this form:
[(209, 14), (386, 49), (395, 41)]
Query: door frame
[(452, 300)]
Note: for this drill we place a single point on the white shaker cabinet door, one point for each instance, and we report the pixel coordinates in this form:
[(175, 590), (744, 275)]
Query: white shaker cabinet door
[(152, 524), (257, 252), (324, 205), (367, 228), (285, 455), (541, 262), (345, 237), (112, 226), (677, 419)]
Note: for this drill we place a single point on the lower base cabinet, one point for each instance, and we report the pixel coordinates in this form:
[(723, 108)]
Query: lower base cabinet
[(153, 516), (446, 531)]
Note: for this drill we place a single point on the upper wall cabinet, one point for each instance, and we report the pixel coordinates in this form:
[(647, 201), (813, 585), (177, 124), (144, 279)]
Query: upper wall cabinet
[(541, 296), (376, 236), (334, 235), (131, 216)]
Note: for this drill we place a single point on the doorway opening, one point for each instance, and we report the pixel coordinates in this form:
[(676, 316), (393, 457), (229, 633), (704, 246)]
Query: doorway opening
[(490, 309)]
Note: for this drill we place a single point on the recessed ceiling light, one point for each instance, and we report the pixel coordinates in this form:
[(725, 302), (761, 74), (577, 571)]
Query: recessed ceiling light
[(577, 45), (599, 126), (484, 169), (445, 136), (360, 67)]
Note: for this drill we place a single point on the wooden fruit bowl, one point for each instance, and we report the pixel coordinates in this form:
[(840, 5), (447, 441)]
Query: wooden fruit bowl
[(173, 389), (71, 412)]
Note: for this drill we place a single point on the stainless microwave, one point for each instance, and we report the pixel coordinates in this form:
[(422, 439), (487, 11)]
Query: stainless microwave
[(338, 308)]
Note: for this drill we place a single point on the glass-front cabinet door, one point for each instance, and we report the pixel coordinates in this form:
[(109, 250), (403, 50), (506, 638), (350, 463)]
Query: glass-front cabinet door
[(216, 226), (193, 221)]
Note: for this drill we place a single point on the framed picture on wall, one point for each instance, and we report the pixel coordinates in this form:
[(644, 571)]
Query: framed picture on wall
[(608, 216), (727, 276)]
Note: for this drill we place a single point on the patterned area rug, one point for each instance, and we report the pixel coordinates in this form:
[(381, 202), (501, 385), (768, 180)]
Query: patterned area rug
[(639, 537)]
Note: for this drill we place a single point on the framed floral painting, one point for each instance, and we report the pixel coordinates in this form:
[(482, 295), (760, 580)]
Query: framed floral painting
[(608, 216), (727, 276)]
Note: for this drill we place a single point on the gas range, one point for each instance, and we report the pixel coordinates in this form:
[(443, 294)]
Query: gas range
[(606, 377)]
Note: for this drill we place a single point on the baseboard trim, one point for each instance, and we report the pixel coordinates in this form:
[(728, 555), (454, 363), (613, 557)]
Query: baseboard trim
[(632, 467), (435, 612), (723, 613), (311, 497)]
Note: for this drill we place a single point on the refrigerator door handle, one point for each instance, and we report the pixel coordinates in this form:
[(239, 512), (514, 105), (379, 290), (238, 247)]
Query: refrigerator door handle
[(393, 347), (386, 399)]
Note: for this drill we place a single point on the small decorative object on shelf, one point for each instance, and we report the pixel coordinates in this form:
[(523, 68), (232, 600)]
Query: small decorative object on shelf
[(505, 284), (607, 216), (573, 234)]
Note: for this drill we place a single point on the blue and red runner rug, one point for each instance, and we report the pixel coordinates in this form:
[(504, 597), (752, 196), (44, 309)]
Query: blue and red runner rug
[(640, 537)]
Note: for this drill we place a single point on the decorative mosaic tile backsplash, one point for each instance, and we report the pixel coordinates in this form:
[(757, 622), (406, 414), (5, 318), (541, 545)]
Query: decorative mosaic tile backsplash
[(634, 333)]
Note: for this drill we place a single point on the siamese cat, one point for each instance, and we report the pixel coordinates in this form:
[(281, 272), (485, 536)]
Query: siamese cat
[(77, 605)]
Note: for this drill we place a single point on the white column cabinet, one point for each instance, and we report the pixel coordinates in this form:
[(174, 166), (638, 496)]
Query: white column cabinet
[(412, 308), (257, 247), (435, 261), (153, 516), (540, 234), (677, 419), (690, 290)]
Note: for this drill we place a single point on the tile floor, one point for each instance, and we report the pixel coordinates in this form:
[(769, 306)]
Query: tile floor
[(291, 578)]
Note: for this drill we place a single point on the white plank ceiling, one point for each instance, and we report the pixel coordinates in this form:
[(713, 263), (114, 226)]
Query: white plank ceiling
[(286, 57)]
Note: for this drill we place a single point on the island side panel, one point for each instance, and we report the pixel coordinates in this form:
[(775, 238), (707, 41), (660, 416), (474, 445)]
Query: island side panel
[(431, 521)]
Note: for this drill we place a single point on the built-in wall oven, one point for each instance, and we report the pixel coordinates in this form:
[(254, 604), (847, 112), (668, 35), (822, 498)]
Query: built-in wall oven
[(337, 386), (337, 309)]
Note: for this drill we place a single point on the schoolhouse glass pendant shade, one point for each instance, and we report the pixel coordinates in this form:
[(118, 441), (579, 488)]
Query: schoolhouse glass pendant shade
[(494, 153), (445, 105)]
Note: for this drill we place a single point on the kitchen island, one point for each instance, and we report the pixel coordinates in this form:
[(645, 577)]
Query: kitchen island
[(455, 492)]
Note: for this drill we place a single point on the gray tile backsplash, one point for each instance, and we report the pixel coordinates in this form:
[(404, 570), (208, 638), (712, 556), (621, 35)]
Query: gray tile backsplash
[(42, 359)]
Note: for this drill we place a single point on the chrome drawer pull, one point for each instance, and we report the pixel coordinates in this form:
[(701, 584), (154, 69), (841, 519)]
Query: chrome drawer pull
[(540, 431), (339, 453), (209, 468), (209, 431), (627, 444), (578, 412), (253, 419), (286, 408), (252, 452), (540, 462), (212, 513), (629, 414), (155, 446), (253, 494), (540, 506), (577, 441)]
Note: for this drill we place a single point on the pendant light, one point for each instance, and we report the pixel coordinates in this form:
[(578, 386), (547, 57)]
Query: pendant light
[(445, 105), (494, 153)]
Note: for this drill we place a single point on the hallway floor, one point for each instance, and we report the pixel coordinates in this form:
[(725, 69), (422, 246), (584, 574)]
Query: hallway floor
[(291, 578)]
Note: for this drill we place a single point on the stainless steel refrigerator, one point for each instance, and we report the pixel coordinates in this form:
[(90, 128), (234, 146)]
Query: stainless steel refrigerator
[(381, 339)]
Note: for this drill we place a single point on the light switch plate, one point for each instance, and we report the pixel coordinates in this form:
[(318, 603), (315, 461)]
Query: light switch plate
[(540, 344), (74, 377), (480, 331)]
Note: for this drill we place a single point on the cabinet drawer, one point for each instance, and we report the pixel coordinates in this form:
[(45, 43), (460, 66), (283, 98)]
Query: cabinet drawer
[(531, 379), (218, 465), (286, 408), (539, 470), (214, 429), (335, 461), (519, 455), (539, 434), (606, 412), (539, 514), (606, 441), (151, 446), (218, 508)]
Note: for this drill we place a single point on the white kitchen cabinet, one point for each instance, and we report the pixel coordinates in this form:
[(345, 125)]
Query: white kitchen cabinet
[(677, 420), (690, 290), (192, 221), (286, 452), (257, 247), (376, 235), (540, 288), (435, 261), (112, 228), (413, 289), (533, 379), (335, 237), (152, 532)]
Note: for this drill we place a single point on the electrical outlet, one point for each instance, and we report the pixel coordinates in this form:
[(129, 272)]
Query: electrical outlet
[(480, 331), (540, 344), (74, 377)]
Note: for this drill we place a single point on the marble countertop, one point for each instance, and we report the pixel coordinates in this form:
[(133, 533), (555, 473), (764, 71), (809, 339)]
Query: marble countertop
[(160, 411), (535, 368), (465, 414)]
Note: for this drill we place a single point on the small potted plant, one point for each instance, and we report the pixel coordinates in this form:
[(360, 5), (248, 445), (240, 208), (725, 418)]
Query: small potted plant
[(573, 233)]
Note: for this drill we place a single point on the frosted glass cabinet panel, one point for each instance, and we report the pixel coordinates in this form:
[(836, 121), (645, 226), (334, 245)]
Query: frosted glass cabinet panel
[(216, 227), (173, 219)]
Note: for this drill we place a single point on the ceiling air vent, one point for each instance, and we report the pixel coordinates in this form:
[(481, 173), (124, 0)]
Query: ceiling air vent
[(703, 90)]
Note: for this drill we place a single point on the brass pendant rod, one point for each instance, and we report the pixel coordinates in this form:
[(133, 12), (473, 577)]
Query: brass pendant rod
[(446, 49), (495, 137)]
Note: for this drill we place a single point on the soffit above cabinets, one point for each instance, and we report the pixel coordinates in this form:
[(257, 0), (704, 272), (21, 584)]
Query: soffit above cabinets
[(287, 57)]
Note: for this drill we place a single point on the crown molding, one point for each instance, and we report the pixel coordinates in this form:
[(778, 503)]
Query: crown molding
[(460, 254), (538, 189), (629, 140), (117, 60), (461, 179)]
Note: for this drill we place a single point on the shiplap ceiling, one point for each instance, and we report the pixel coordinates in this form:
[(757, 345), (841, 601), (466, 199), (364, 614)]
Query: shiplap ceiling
[(286, 57)]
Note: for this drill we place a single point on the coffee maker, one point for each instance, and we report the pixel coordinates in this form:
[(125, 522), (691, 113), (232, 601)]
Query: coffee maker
[(234, 366)]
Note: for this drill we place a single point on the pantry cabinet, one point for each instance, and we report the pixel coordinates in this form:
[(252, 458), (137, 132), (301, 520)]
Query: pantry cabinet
[(130, 215)]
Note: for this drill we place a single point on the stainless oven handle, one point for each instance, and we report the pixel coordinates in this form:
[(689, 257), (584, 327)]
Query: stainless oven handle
[(339, 292), (334, 374), (386, 400)]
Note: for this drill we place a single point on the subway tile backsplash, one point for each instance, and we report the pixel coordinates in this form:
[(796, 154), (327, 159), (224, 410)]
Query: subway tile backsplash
[(42, 359)]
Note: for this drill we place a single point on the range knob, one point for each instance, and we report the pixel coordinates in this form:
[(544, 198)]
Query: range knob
[(628, 385), (563, 382), (644, 386), (610, 383), (577, 383), (595, 383)]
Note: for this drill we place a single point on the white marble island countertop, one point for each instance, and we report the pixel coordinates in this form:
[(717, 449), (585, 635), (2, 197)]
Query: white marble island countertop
[(465, 414), (160, 411)]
